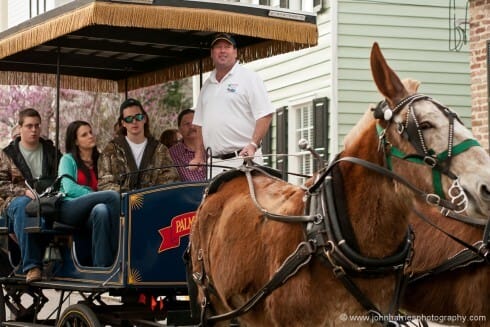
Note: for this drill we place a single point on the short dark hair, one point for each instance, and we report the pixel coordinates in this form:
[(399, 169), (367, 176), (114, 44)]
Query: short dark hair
[(29, 112), (182, 114), (169, 137)]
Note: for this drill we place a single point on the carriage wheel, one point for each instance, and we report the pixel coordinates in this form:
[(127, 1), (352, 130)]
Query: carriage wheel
[(78, 315)]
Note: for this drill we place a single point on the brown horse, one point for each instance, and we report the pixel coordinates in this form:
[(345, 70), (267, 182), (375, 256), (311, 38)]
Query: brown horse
[(459, 294), (236, 248)]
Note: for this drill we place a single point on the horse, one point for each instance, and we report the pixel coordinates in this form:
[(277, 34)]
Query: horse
[(451, 294), (449, 282), (445, 288), (270, 253)]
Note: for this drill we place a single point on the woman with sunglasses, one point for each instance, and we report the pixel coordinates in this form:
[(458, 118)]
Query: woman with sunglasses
[(82, 206), (135, 159)]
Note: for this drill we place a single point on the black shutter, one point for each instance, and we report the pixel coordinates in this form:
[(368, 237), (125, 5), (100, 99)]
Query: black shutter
[(267, 148), (282, 140), (320, 126)]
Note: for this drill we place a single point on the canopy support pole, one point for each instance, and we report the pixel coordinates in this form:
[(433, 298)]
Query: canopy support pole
[(57, 109)]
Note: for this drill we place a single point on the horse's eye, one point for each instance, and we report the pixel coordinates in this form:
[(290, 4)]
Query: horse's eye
[(425, 125)]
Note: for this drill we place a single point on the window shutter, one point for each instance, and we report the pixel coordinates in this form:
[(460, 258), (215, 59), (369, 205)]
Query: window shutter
[(320, 126), (282, 140), (267, 148)]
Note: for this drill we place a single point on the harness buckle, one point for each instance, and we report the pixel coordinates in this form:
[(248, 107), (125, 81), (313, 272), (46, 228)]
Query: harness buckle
[(197, 277), (433, 199), (485, 253), (430, 161), (338, 271), (317, 219), (445, 211)]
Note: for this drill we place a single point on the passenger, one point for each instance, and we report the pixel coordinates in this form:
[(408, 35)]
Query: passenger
[(15, 133), (34, 159), (183, 152), (170, 137), (82, 206), (135, 159), (233, 111)]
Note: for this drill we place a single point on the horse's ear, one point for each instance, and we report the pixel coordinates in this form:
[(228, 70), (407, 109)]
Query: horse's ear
[(387, 81)]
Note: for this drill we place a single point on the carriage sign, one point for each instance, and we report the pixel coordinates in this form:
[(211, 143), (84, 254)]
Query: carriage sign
[(179, 226)]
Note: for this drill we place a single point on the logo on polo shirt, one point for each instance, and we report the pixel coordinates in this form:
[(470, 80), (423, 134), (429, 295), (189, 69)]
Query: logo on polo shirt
[(232, 88)]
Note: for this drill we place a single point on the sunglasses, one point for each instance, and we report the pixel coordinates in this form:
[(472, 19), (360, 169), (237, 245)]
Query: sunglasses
[(130, 119)]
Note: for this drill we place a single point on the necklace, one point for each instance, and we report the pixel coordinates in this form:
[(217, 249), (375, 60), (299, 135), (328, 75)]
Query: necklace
[(88, 163)]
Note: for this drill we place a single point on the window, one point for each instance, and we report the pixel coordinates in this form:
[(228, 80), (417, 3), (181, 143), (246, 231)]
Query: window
[(317, 5), (306, 5), (306, 120), (309, 121), (271, 3), (302, 128)]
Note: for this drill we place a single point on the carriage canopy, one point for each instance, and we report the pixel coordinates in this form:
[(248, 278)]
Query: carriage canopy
[(116, 46)]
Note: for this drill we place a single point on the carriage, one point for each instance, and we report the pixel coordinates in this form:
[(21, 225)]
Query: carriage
[(117, 46)]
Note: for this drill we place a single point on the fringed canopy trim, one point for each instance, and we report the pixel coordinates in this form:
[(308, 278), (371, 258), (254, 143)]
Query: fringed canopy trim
[(282, 35), (66, 82)]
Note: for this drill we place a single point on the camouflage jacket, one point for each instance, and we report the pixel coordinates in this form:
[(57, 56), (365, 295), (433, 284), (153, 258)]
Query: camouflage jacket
[(118, 170), (14, 171)]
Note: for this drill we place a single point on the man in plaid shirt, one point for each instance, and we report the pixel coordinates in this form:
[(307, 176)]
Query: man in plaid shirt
[(184, 150)]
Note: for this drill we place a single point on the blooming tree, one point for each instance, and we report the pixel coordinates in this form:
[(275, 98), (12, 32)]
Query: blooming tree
[(163, 110), (162, 102)]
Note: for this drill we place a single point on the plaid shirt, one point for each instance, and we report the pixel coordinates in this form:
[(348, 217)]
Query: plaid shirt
[(181, 155)]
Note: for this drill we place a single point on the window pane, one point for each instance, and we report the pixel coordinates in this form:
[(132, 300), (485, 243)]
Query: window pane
[(303, 130)]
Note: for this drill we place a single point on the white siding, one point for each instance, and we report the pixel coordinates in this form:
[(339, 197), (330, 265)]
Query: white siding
[(414, 37), (295, 79), (20, 11), (3, 15), (292, 75)]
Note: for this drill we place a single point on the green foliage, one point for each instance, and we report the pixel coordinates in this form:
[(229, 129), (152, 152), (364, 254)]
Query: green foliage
[(175, 98)]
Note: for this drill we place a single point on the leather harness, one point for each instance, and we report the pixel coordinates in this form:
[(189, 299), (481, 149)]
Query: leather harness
[(324, 240)]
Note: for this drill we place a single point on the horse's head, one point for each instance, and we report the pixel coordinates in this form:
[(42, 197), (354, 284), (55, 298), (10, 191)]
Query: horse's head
[(416, 128)]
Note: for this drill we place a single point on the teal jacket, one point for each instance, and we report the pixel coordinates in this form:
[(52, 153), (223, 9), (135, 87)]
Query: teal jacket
[(71, 189)]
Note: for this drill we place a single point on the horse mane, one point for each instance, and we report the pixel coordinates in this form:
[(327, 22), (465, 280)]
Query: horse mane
[(412, 85), (358, 129)]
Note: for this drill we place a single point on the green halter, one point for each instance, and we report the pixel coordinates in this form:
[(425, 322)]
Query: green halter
[(436, 173)]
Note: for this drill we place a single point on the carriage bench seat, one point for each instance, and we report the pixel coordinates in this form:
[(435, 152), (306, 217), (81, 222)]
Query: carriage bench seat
[(39, 225)]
